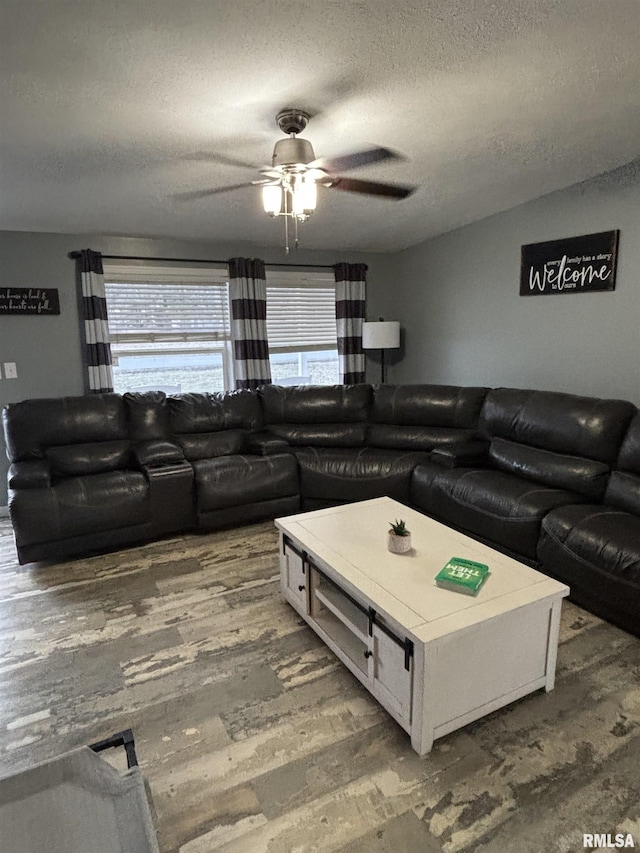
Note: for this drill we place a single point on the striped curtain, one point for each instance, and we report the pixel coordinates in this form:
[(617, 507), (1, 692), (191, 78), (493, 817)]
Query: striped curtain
[(97, 349), (248, 296), (350, 312)]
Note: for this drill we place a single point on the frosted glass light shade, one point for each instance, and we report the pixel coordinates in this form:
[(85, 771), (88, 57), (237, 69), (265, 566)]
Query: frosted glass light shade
[(310, 195), (272, 199), (384, 334), (304, 197)]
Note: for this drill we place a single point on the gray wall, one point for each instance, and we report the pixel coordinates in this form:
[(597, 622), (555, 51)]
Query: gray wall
[(464, 322), (47, 350), (456, 297)]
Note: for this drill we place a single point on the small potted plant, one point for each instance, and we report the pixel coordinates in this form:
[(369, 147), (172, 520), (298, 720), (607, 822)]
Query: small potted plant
[(399, 538)]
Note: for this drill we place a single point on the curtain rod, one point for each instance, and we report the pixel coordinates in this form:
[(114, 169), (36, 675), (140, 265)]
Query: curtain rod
[(75, 255)]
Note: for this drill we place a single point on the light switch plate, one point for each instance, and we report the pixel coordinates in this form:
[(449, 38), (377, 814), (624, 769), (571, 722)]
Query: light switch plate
[(10, 370)]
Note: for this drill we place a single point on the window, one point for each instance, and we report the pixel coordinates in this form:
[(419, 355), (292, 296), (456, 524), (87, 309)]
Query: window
[(169, 328), (301, 328)]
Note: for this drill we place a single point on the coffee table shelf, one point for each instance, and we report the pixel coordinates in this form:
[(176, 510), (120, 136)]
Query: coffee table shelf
[(347, 642), (348, 613)]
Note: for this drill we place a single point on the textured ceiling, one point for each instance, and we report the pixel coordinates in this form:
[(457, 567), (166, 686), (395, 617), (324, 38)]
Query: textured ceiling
[(111, 108)]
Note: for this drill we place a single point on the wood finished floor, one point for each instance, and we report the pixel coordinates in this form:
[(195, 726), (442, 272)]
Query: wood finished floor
[(253, 737)]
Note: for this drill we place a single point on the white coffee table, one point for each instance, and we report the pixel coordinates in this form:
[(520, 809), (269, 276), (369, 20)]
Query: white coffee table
[(435, 659)]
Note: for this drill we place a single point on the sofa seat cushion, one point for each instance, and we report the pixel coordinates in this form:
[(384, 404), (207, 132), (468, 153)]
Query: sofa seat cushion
[(102, 502), (599, 536), (492, 505), (79, 506), (353, 474), (228, 481), (595, 549)]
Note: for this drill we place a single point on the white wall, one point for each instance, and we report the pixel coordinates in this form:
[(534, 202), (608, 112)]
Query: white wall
[(465, 323)]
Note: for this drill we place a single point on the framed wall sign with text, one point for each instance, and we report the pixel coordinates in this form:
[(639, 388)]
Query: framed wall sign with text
[(29, 300), (574, 265)]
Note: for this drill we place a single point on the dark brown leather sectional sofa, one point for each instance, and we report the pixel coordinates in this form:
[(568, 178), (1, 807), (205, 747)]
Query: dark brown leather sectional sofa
[(552, 479)]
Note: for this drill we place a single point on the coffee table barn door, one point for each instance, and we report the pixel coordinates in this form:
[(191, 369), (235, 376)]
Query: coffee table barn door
[(392, 674)]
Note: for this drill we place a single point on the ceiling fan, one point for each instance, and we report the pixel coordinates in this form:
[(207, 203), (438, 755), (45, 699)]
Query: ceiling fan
[(289, 184)]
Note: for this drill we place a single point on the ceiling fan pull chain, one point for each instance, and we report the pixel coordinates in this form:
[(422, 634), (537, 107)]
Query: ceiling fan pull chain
[(286, 223)]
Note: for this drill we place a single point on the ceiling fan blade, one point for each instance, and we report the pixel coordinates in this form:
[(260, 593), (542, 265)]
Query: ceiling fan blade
[(196, 194), (352, 185), (212, 157), (346, 162)]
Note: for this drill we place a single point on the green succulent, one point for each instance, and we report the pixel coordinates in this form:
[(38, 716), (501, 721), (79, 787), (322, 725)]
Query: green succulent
[(399, 528)]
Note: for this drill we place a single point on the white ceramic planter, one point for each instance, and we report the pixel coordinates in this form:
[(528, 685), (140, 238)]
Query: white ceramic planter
[(398, 544)]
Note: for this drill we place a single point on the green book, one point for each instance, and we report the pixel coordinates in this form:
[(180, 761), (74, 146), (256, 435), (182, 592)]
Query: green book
[(460, 575)]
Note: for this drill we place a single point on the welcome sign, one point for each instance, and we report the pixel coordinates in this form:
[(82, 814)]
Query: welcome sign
[(575, 265)]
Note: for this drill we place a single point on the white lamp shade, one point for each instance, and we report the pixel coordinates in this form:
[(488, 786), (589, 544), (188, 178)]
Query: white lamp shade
[(385, 334)]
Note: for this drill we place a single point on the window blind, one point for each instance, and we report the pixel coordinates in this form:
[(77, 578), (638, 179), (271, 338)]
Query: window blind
[(141, 312), (301, 317)]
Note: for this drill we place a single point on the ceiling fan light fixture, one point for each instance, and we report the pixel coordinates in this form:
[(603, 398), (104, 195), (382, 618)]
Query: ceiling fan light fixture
[(290, 184), (272, 199), (305, 197)]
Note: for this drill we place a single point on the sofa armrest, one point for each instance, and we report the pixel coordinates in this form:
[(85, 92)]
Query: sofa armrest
[(29, 474), (265, 444), (157, 454), (464, 454)]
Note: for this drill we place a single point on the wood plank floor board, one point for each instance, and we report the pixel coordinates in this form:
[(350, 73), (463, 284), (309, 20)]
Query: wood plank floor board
[(253, 738)]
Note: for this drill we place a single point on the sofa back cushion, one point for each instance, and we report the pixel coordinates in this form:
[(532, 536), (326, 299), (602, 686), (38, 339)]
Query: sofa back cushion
[(33, 425), (210, 425), (558, 470), (623, 489), (586, 427), (421, 417), (78, 460), (321, 416), (207, 445), (427, 405), (148, 415), (76, 435), (321, 435), (191, 413)]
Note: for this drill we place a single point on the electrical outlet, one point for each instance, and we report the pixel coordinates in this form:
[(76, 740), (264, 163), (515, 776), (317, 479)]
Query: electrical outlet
[(10, 371)]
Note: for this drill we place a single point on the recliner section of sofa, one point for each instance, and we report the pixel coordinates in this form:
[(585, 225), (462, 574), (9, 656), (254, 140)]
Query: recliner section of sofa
[(231, 484), (595, 547), (74, 484), (542, 450)]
